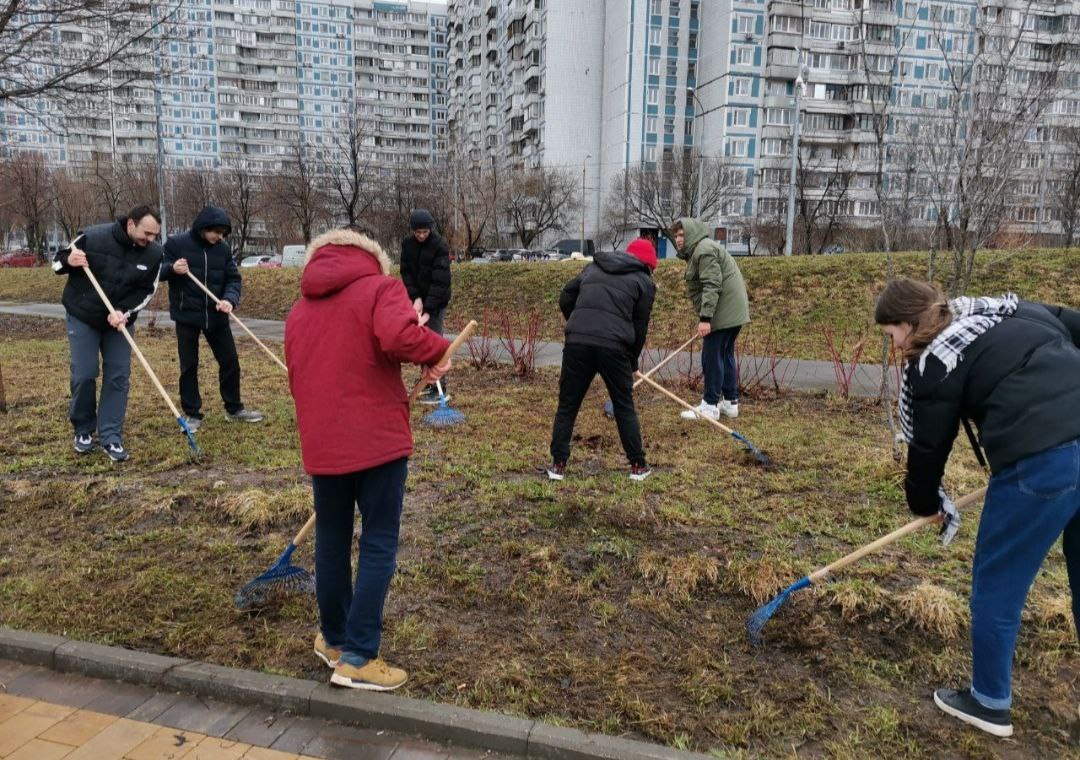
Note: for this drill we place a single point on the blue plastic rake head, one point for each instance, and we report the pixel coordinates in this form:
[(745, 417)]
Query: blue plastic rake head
[(762, 614), (282, 579), (195, 450), (443, 415), (761, 457)]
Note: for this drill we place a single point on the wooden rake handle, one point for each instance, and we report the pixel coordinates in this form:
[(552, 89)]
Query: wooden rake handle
[(303, 534), (459, 341), (675, 398), (235, 318), (666, 359), (911, 527), (131, 342)]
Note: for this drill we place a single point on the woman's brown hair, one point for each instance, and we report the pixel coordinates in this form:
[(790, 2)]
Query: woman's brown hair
[(917, 303)]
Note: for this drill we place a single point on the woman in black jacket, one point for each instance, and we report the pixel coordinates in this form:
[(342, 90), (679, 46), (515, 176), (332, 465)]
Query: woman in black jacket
[(1011, 367), (425, 270)]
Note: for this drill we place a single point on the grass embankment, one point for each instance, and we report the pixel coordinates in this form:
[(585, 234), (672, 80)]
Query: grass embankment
[(598, 603), (792, 300)]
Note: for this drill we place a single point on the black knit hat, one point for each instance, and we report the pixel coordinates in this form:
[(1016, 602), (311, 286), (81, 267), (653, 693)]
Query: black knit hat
[(421, 219)]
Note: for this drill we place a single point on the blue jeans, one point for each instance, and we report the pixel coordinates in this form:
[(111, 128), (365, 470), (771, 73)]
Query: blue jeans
[(719, 366), (1028, 505), (85, 412), (352, 614)]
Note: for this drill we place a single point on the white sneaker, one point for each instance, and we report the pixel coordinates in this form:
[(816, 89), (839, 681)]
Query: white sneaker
[(729, 408), (708, 411)]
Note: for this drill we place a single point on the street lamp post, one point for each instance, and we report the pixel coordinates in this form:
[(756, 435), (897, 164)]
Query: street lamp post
[(699, 110), (587, 157), (800, 84)]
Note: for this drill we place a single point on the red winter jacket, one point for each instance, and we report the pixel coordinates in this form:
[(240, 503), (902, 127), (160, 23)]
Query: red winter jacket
[(345, 341)]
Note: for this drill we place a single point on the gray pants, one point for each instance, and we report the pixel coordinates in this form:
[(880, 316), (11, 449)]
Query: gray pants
[(85, 413)]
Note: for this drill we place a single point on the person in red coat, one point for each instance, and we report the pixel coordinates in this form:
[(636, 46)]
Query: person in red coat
[(345, 342)]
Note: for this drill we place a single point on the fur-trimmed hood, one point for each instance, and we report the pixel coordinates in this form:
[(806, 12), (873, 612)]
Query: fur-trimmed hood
[(337, 258)]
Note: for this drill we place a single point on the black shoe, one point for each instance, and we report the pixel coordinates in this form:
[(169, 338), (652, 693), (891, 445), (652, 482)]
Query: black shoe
[(84, 444), (429, 396), (116, 452), (638, 472), (960, 704), (557, 471)]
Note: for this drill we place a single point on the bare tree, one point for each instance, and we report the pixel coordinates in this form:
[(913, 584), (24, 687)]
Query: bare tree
[(74, 206), (107, 185), (471, 193), (296, 193), (66, 47), (192, 191), (821, 189), (29, 178), (1065, 196), (139, 183), (659, 194), (536, 201), (240, 193), (615, 215), (350, 168)]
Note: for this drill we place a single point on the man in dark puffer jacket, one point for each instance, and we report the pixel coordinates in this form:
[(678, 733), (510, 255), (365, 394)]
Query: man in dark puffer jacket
[(205, 252), (425, 270), (607, 308), (125, 259)]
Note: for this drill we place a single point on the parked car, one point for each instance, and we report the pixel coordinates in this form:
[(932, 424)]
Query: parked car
[(19, 258), (832, 249), (272, 262), (254, 261), (292, 255), (572, 245)]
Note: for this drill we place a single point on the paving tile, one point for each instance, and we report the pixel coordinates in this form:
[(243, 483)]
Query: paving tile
[(216, 748), (299, 735), (49, 710), (121, 699), (60, 688), (30, 678), (261, 728), (206, 716), (39, 749), (115, 741), (166, 744), (345, 743), (20, 729), (10, 670), (10, 705), (151, 709), (261, 753), (78, 728), (410, 749)]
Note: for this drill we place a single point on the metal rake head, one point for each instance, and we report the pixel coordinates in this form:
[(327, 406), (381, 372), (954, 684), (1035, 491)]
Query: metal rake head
[(762, 614)]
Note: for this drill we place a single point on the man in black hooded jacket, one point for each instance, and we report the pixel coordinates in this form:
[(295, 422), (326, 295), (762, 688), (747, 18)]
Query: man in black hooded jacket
[(205, 253), (425, 270)]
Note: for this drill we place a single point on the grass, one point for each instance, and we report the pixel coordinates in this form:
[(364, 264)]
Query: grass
[(597, 603), (792, 299)]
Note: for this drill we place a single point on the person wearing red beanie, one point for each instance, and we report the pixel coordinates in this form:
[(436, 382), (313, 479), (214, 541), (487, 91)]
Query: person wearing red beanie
[(644, 251)]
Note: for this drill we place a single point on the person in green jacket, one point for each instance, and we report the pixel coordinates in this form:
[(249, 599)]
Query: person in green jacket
[(716, 288)]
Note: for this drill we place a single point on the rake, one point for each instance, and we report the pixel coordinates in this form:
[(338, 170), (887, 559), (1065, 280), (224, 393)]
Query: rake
[(281, 579), (443, 416), (236, 319), (459, 341), (759, 456), (764, 613), (609, 408), (195, 450)]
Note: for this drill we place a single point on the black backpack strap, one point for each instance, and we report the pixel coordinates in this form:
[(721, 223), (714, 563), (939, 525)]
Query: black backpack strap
[(975, 444)]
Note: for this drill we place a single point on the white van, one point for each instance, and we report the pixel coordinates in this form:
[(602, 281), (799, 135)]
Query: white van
[(293, 255)]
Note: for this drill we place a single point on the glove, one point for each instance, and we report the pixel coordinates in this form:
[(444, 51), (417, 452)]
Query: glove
[(950, 518)]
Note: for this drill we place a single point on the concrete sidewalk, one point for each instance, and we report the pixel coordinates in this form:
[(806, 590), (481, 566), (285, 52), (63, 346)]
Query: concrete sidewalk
[(800, 374)]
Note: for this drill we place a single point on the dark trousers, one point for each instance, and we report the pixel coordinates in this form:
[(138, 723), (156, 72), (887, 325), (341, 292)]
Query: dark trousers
[(85, 413), (224, 348), (352, 614), (718, 365), (1028, 505), (580, 364), (435, 323)]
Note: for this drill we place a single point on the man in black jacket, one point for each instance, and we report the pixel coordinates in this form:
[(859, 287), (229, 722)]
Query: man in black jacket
[(607, 308), (205, 253), (425, 270), (125, 259)]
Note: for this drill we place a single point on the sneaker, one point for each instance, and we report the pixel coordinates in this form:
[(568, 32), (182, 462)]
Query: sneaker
[(116, 452), (962, 705), (609, 409), (729, 408), (193, 423), (429, 396), (703, 410), (374, 675), (639, 472), (325, 652), (84, 444), (245, 415), (557, 471)]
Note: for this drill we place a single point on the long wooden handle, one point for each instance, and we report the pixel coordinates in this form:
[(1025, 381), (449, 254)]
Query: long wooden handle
[(303, 534), (666, 359), (911, 527), (131, 341), (692, 408), (463, 336), (236, 319)]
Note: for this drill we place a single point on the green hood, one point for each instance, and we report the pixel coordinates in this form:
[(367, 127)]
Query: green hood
[(693, 233)]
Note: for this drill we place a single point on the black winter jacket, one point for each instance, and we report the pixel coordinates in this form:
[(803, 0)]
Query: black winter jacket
[(212, 264), (609, 304), (1018, 382), (425, 270), (127, 273)]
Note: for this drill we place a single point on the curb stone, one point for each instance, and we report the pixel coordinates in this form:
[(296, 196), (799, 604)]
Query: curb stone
[(462, 726)]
